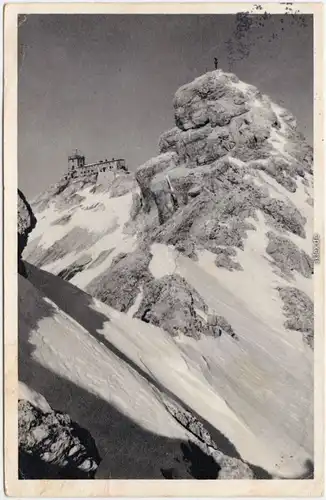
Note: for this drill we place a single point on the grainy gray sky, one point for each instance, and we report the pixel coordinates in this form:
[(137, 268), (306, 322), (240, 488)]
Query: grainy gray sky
[(104, 83)]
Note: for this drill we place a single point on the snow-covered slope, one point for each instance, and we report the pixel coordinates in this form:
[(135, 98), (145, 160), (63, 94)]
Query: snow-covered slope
[(202, 262), (116, 377)]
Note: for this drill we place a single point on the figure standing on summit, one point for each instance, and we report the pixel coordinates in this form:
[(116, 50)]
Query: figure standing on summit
[(215, 62)]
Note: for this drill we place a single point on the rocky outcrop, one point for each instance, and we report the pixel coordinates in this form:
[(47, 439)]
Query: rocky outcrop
[(52, 446), (229, 467), (78, 266), (25, 224), (299, 311), (146, 172), (63, 194), (206, 181), (62, 221), (171, 303), (100, 258), (122, 184), (77, 239), (287, 256), (42, 200), (215, 219), (119, 285), (218, 325)]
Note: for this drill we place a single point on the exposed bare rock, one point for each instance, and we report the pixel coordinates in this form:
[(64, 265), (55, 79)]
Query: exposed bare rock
[(62, 221), (76, 267), (52, 446), (224, 259), (64, 194), (69, 200), (118, 286), (100, 258), (310, 201), (203, 186), (230, 467), (218, 325), (95, 207), (100, 188), (42, 201), (25, 224), (225, 131), (299, 310), (146, 172), (173, 304), (283, 171), (284, 216), (77, 239), (287, 256), (208, 99), (207, 207), (136, 205), (122, 184)]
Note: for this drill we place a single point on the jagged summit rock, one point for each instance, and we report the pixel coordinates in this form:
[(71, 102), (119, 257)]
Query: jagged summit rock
[(222, 122)]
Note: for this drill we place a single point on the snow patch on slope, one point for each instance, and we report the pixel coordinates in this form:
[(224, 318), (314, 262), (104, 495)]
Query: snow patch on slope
[(111, 225), (163, 260), (63, 346), (135, 306)]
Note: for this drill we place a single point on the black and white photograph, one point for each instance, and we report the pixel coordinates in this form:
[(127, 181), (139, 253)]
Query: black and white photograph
[(167, 251)]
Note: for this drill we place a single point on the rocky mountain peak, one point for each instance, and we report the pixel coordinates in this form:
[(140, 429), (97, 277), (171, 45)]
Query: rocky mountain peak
[(232, 155), (204, 252), (222, 121)]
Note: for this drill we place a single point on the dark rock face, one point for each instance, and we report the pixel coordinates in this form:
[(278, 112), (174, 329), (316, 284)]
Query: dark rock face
[(218, 325), (224, 259), (52, 446), (26, 223), (285, 216), (95, 207), (135, 206), (230, 466), (78, 266), (119, 285), (299, 310), (145, 174), (287, 256), (171, 303), (100, 258), (62, 221)]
